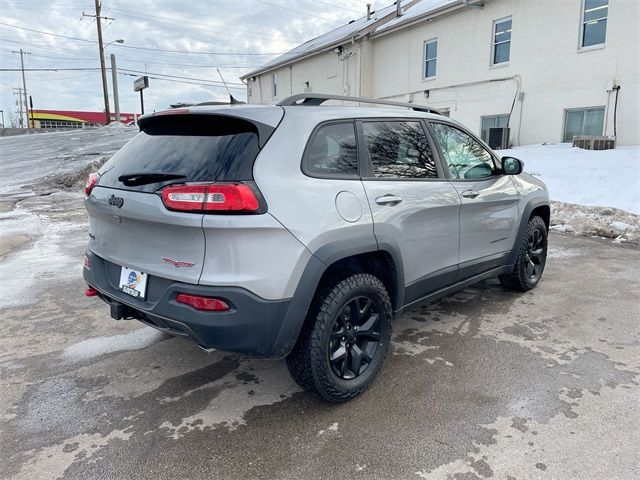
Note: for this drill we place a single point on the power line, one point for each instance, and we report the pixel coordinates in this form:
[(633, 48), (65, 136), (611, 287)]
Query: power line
[(178, 76), (171, 21), (137, 72), (136, 47), (294, 10)]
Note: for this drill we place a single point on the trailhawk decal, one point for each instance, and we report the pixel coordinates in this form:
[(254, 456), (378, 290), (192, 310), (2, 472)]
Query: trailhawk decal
[(177, 263)]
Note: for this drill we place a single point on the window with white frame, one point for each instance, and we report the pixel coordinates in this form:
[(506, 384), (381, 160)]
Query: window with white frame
[(492, 121), (501, 51), (583, 121), (594, 22), (274, 84), (430, 58)]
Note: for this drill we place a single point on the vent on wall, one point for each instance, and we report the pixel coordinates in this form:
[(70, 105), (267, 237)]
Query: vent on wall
[(594, 142), (499, 138)]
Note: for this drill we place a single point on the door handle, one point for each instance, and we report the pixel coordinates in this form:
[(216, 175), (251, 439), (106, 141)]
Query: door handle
[(470, 194), (388, 199)]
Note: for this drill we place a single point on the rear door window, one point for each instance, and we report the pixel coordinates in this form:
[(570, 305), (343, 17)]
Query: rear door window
[(332, 152), (399, 149), (203, 149)]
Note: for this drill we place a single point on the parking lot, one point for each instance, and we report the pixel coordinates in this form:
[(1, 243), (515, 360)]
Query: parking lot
[(480, 384)]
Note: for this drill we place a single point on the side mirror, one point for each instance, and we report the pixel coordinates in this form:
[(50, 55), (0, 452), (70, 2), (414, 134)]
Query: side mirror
[(512, 166)]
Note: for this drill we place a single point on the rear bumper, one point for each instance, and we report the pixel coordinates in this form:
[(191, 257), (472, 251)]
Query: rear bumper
[(253, 326)]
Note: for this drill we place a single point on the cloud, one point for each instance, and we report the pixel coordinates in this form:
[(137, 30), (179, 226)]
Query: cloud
[(225, 26)]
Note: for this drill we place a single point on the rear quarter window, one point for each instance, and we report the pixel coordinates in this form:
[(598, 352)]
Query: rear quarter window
[(203, 148), (332, 151)]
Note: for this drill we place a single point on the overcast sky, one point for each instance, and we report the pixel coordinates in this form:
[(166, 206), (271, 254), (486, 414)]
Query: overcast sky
[(240, 34)]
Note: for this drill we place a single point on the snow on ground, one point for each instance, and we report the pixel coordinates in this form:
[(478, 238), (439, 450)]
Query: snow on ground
[(593, 193), (606, 178)]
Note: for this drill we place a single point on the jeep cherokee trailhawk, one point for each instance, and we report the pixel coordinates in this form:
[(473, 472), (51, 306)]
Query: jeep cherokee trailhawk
[(298, 230)]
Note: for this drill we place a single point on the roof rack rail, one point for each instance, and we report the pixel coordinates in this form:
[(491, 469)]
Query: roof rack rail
[(320, 98)]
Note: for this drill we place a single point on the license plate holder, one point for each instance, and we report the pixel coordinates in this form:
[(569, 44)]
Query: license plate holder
[(133, 282)]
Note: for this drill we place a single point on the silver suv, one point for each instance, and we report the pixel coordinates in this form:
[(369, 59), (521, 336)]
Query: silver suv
[(298, 230)]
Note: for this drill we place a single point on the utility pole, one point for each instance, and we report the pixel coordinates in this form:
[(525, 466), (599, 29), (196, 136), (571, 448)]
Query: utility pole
[(24, 83), (105, 91), (114, 81), (18, 92)]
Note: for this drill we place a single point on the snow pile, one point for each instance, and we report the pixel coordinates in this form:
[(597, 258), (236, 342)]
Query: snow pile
[(605, 222), (606, 178), (593, 193)]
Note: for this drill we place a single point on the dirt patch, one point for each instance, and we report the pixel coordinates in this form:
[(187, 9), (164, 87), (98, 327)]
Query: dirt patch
[(76, 180), (13, 243), (7, 205)]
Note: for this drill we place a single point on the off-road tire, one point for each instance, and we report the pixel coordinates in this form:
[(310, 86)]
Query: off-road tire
[(520, 279), (309, 362)]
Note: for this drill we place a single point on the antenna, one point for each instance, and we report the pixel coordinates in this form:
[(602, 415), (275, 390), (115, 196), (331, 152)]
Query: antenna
[(232, 99), (225, 83)]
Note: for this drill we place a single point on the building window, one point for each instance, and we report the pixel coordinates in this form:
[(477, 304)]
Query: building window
[(594, 22), (501, 41), (430, 58), (274, 84), (583, 121), (492, 121)]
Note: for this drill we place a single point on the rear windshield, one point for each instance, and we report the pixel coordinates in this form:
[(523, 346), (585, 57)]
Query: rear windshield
[(203, 148)]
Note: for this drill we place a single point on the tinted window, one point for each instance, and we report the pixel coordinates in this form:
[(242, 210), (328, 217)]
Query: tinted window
[(333, 151), (399, 150), (208, 148), (465, 157)]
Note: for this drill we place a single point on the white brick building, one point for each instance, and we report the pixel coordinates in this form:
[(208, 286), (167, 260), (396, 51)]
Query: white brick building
[(550, 68)]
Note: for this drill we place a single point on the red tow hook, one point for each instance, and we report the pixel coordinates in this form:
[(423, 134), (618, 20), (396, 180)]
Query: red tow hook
[(90, 292)]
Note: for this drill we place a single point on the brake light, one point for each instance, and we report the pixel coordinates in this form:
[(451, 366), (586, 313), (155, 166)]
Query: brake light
[(208, 304), (87, 263), (216, 197), (91, 182)]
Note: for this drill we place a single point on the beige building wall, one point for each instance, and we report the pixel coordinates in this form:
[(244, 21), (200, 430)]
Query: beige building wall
[(547, 73)]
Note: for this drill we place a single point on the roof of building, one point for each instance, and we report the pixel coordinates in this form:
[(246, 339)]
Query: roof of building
[(381, 20), (420, 9)]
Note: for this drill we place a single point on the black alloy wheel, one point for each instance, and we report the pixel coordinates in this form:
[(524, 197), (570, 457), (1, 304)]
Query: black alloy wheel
[(531, 257), (535, 254), (354, 338)]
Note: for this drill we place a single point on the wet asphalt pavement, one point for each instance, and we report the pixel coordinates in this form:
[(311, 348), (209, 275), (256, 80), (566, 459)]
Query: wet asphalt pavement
[(483, 384)]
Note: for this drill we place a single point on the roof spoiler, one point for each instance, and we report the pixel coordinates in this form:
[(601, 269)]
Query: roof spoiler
[(303, 99), (232, 101)]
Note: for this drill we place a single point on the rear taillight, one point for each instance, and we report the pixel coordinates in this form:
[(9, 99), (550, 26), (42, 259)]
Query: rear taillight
[(91, 182), (208, 304), (216, 197), (87, 263)]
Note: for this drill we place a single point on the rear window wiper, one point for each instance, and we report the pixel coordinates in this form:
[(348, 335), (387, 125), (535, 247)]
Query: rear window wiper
[(144, 178)]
